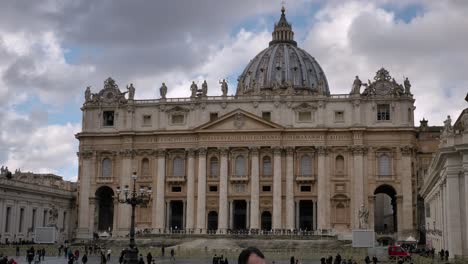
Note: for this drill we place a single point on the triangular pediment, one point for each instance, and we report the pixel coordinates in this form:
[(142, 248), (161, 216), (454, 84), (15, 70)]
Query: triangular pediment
[(239, 120)]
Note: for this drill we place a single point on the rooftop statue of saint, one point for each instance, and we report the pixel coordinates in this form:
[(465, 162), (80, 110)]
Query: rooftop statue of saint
[(88, 94), (224, 87), (163, 91), (131, 91), (193, 89), (407, 86), (356, 86), (204, 90)]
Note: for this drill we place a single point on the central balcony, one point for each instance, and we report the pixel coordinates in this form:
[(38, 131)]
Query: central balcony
[(305, 178), (175, 179), (239, 178)]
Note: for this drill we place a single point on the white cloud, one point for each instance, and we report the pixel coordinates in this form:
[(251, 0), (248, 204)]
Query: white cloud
[(357, 38)]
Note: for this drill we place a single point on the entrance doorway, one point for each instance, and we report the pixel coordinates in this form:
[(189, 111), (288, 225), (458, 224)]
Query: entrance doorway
[(385, 209), (266, 221), (105, 208), (212, 220), (176, 221), (240, 215), (306, 215)]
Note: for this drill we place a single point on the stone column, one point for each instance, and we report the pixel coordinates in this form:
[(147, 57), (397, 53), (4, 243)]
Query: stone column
[(158, 206), (322, 192), (465, 169), (189, 224), (201, 192), (125, 210), (315, 215), (289, 188), (454, 228), (184, 210), (168, 216), (247, 220), (297, 214), (407, 190), (358, 174), (254, 193), (223, 191), (87, 160), (92, 208), (277, 193)]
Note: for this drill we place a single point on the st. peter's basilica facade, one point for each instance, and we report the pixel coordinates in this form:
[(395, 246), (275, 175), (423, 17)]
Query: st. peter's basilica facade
[(283, 154)]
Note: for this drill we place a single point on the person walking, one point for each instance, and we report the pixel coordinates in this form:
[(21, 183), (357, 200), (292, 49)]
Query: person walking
[(162, 251), (43, 253), (37, 257), (30, 256), (291, 260), (140, 260), (17, 251), (109, 251), (172, 256), (84, 259), (446, 254), (149, 258), (367, 260)]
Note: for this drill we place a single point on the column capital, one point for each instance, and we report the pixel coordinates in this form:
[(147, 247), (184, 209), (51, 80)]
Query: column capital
[(191, 152), (277, 150), (289, 151), (406, 150), (127, 153), (322, 150), (358, 149), (86, 154), (223, 151), (202, 151), (254, 150), (160, 152)]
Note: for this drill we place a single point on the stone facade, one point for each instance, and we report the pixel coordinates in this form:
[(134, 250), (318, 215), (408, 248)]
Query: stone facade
[(281, 155), (29, 200), (445, 190)]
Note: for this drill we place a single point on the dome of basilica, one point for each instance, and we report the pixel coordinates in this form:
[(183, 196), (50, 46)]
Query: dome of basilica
[(283, 68)]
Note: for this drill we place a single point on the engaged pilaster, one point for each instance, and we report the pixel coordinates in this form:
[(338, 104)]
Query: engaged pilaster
[(190, 190), (223, 191), (358, 174), (87, 159), (158, 206), (201, 192), (407, 189), (255, 189), (290, 188), (323, 201), (277, 188)]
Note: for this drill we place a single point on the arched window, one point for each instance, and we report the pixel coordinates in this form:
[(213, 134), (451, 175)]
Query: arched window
[(267, 166), (340, 213), (240, 166), (384, 165), (339, 164), (306, 166), (214, 168), (178, 167), (145, 169), (106, 167)]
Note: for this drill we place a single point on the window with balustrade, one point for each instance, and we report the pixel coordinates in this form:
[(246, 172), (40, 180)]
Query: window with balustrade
[(305, 167), (267, 168), (178, 167), (240, 166), (384, 164), (214, 167), (106, 168), (145, 167)]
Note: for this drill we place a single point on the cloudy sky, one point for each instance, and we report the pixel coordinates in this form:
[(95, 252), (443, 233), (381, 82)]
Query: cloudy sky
[(51, 50)]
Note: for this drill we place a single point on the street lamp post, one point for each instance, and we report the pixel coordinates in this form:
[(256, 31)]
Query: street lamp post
[(133, 198)]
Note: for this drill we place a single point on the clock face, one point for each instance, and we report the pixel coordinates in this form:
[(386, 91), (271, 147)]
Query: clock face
[(109, 95), (383, 88)]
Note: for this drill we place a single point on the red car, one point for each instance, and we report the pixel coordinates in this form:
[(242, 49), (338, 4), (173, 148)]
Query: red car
[(397, 252)]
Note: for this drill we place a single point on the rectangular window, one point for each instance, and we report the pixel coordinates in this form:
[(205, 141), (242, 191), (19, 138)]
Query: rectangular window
[(304, 116), (176, 189), (177, 119), (108, 118), (266, 188), (266, 116), (213, 188), (21, 220), (147, 120), (7, 219), (306, 188), (383, 112), (64, 220), (33, 220), (44, 218), (339, 116), (213, 116)]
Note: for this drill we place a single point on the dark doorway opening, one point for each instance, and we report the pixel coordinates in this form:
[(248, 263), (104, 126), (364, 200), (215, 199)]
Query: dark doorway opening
[(177, 215), (212, 220), (105, 208), (266, 221), (385, 209), (240, 215), (306, 215)]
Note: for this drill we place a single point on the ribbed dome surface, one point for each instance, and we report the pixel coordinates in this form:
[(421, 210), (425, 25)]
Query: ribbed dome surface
[(283, 68)]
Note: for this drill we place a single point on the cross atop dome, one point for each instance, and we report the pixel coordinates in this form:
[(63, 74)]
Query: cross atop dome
[(283, 32)]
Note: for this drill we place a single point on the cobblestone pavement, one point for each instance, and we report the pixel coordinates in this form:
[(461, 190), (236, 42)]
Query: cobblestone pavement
[(96, 260)]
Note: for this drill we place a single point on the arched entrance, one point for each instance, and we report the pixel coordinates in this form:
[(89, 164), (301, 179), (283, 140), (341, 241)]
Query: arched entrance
[(240, 215), (306, 213), (176, 221), (104, 208), (212, 220), (385, 210), (266, 221)]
